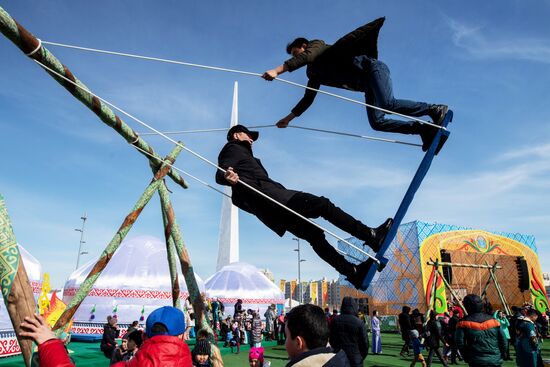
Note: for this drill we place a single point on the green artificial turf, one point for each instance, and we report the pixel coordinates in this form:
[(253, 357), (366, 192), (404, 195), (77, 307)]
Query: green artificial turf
[(88, 355)]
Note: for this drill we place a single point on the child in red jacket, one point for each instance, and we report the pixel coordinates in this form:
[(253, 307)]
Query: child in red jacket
[(164, 345)]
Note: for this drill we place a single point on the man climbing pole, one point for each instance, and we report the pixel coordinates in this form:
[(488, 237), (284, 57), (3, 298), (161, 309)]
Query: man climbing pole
[(352, 63), (237, 159)]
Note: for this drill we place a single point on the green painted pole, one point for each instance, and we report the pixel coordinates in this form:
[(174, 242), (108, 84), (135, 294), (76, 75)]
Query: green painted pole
[(186, 267), (170, 245), (172, 264), (106, 256), (29, 43), (88, 283), (16, 290)]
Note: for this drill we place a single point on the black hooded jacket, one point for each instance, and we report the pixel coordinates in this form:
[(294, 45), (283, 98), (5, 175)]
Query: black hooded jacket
[(238, 154), (349, 333)]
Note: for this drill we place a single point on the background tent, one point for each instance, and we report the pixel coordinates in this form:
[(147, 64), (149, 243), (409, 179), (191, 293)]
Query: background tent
[(240, 280), (135, 282), (8, 341)]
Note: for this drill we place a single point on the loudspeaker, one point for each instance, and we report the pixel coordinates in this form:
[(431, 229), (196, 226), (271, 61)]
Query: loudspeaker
[(523, 273), (447, 270), (363, 305)]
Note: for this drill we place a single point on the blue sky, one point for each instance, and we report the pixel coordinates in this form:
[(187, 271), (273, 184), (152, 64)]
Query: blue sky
[(489, 62)]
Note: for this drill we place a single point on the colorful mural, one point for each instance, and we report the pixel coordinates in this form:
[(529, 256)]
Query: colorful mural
[(408, 280)]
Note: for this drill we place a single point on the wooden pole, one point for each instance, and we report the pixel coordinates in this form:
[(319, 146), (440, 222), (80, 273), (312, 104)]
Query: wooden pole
[(499, 291), (29, 43), (484, 292), (107, 254), (453, 293), (458, 265), (186, 266), (16, 290), (172, 264), (170, 245)]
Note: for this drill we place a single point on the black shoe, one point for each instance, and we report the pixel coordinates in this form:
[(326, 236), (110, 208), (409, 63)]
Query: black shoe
[(441, 143), (427, 136), (379, 235), (437, 113), (359, 273)]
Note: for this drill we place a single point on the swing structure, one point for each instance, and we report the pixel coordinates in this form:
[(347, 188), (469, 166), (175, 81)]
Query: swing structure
[(162, 168), (439, 274)]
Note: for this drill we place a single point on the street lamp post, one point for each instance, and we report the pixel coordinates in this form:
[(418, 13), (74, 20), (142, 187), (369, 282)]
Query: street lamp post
[(300, 260), (81, 230)]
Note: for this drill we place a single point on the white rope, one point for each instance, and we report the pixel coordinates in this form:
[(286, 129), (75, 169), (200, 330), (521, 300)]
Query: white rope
[(240, 72), (36, 49), (204, 130), (171, 165), (356, 135), (207, 161), (290, 126)]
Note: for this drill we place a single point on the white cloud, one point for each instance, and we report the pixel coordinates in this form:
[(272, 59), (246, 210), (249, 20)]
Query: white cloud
[(539, 151), (480, 44)]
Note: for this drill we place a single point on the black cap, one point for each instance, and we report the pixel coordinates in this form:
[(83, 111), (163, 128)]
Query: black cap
[(240, 128), (202, 348)]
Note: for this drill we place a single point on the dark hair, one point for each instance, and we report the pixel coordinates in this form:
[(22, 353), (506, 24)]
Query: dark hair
[(406, 309), (135, 323), (309, 322), (531, 312), (472, 303), (298, 42), (203, 334), (137, 337), (159, 328)]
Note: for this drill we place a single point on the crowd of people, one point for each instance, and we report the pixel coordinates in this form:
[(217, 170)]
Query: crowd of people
[(312, 336), (483, 337)]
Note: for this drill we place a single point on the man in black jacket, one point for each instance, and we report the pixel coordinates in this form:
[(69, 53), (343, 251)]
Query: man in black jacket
[(349, 333), (405, 328), (352, 63), (110, 333), (240, 164)]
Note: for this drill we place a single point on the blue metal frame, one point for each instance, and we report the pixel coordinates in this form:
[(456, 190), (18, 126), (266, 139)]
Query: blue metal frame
[(407, 200)]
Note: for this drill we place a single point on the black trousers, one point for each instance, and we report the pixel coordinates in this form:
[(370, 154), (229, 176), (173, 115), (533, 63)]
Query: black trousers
[(437, 352), (311, 206)]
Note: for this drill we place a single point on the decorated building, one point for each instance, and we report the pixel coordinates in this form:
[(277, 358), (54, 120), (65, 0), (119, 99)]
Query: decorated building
[(408, 278)]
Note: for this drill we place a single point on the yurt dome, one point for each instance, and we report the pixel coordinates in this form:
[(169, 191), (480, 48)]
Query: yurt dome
[(135, 282), (8, 341), (240, 280)]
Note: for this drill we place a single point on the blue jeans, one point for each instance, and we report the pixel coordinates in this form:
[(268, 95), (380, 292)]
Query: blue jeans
[(379, 92)]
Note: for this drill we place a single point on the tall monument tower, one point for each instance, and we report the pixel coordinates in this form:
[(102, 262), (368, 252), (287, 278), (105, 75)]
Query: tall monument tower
[(228, 240)]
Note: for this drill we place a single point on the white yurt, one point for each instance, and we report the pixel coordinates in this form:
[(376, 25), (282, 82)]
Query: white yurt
[(240, 280), (8, 341), (135, 282)]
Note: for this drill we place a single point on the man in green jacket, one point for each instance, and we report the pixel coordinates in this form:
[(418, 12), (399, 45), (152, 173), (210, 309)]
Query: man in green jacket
[(479, 336)]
